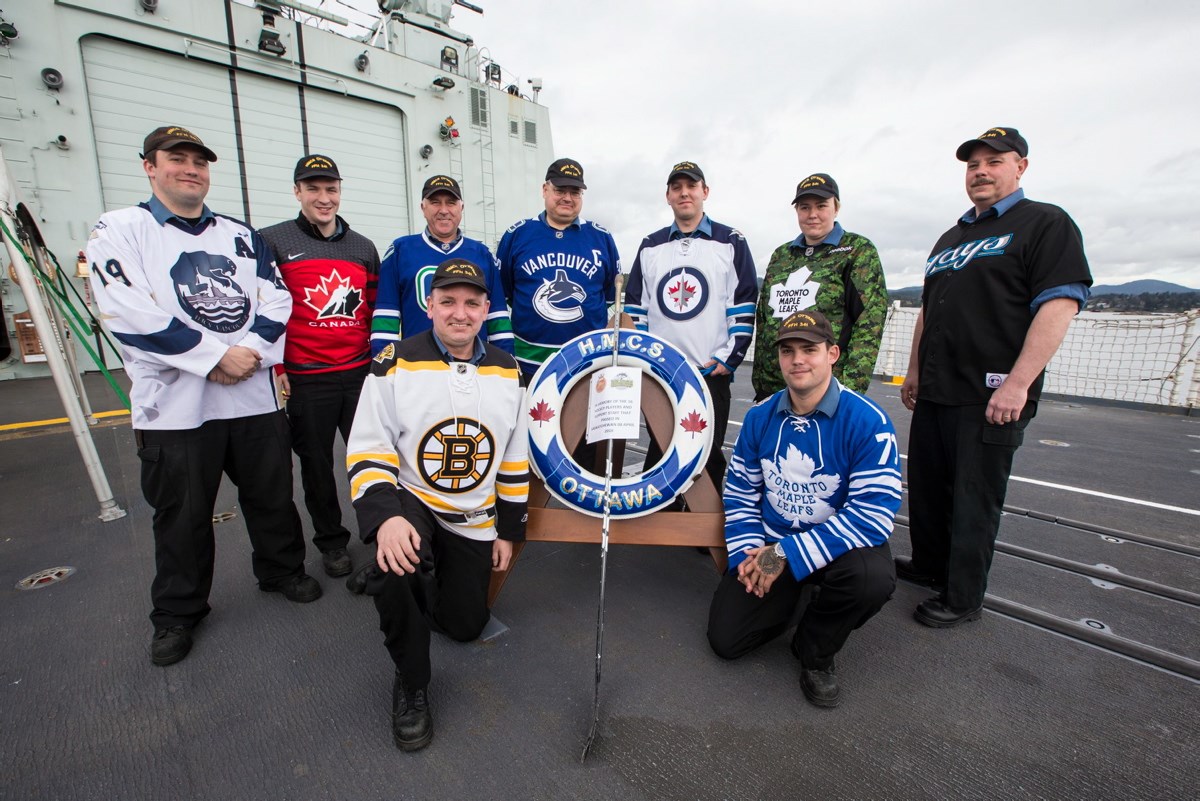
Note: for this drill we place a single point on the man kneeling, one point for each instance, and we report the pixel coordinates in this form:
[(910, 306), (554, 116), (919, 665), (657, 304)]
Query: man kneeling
[(438, 461), (813, 487)]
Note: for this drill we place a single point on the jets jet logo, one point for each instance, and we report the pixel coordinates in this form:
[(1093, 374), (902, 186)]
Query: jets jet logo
[(334, 297), (456, 454), (682, 293), (559, 299)]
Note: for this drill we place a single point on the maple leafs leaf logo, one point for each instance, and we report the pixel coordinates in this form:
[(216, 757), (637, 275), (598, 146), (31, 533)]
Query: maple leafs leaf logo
[(541, 412), (682, 294), (335, 296), (795, 294), (693, 423)]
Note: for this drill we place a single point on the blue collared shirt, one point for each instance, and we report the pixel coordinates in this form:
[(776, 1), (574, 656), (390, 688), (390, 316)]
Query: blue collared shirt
[(476, 357), (162, 214), (573, 224), (998, 208), (704, 228), (827, 406), (834, 238)]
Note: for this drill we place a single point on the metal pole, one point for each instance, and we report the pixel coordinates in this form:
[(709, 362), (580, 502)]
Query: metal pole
[(608, 471), (109, 510)]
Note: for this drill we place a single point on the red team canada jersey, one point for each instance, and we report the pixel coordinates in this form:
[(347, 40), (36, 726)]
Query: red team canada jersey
[(333, 283)]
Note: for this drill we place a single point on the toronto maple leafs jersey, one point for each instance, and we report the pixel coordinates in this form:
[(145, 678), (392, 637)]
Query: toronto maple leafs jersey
[(333, 283), (822, 484), (176, 297), (404, 284), (842, 278), (697, 291), (558, 284), (451, 433)]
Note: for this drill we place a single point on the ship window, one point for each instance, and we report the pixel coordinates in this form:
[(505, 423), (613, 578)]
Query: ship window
[(479, 108), (530, 132)]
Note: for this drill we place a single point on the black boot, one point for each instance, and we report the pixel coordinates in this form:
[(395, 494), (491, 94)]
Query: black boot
[(412, 725)]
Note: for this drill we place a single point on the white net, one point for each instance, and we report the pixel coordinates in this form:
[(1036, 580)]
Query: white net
[(1136, 358)]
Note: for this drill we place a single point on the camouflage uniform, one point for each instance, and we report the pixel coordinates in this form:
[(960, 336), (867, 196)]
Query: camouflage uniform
[(841, 254)]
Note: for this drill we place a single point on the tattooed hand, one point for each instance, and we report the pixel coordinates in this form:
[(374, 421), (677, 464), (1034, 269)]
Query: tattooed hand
[(760, 569)]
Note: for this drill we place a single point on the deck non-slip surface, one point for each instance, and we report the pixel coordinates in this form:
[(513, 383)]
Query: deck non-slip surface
[(284, 701)]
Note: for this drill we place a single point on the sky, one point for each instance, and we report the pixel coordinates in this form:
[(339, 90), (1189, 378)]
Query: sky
[(879, 94)]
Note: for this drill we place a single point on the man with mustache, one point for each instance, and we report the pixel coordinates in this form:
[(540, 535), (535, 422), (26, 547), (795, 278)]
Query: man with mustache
[(1001, 287)]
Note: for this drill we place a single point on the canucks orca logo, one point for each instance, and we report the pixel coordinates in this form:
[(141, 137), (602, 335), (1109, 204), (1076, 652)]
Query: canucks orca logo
[(456, 454), (559, 300), (207, 292), (682, 293), (423, 284)]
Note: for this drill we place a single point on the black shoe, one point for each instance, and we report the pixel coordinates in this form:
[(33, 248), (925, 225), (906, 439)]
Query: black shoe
[(905, 570), (937, 613), (337, 563), (357, 583), (820, 686), (412, 724), (171, 644), (300, 589)]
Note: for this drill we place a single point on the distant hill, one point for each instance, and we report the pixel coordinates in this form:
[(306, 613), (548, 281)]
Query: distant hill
[(1142, 287)]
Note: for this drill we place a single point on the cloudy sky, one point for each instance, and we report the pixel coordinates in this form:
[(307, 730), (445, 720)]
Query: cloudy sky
[(879, 94)]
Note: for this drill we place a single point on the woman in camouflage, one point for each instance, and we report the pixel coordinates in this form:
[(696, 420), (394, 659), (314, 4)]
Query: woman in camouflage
[(828, 269)]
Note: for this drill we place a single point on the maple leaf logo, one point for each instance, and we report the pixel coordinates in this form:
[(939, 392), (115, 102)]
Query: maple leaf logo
[(541, 412), (693, 424), (681, 294), (802, 494), (335, 296), (795, 294)]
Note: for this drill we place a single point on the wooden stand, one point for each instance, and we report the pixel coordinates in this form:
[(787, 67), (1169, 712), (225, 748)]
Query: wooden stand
[(703, 526)]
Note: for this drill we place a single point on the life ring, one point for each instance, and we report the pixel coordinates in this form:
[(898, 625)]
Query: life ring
[(685, 456)]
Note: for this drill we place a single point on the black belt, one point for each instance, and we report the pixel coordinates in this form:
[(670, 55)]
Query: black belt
[(462, 519)]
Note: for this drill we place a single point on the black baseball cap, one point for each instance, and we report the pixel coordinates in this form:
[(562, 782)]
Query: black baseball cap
[(566, 172), (458, 271), (689, 168), (819, 184), (810, 326), (1001, 140), (170, 137), (441, 183), (315, 166)]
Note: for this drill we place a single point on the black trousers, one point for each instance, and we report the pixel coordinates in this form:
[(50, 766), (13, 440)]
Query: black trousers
[(719, 386), (448, 593), (321, 405), (181, 473), (958, 468), (852, 588)]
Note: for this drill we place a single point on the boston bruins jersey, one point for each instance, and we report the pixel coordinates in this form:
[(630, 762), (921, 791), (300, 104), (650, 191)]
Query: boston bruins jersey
[(453, 434)]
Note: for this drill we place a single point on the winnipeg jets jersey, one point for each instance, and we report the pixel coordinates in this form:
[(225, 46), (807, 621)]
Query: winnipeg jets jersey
[(698, 291), (176, 297), (558, 284), (404, 284), (822, 483)]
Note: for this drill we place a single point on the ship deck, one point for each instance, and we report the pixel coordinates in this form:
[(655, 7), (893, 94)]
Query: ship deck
[(284, 701)]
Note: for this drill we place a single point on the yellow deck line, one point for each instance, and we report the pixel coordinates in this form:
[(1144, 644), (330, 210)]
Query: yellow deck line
[(57, 421)]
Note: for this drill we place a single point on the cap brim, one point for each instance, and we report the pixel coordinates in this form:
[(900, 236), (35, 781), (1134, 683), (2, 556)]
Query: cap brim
[(171, 144), (442, 283), (558, 180), (688, 173), (806, 336), (436, 189), (825, 193), (317, 174), (967, 148)]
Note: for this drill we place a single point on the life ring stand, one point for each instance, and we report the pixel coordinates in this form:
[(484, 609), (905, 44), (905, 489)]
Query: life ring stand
[(683, 458)]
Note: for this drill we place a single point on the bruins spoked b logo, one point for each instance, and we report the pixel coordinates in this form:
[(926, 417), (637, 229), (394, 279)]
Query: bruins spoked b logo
[(456, 454)]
